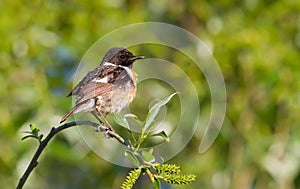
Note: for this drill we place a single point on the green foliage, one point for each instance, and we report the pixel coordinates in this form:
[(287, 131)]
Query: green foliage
[(166, 172), (179, 179), (131, 178), (170, 174), (146, 126), (147, 156), (153, 111), (166, 168), (156, 183), (132, 157), (33, 133), (162, 134)]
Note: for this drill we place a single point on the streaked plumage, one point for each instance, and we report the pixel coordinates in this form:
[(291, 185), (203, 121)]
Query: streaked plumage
[(109, 87)]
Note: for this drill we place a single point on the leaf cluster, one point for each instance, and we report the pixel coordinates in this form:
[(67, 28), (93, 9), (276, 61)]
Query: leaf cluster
[(146, 126), (131, 178), (156, 172), (145, 160), (33, 133)]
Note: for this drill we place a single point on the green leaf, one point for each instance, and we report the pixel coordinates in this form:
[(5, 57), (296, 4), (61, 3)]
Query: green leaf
[(151, 150), (131, 179), (122, 121), (156, 183), (28, 136), (28, 132), (162, 134), (131, 116), (166, 168), (32, 127), (35, 132), (155, 109), (179, 179), (139, 122), (132, 158), (162, 102), (147, 156), (41, 137)]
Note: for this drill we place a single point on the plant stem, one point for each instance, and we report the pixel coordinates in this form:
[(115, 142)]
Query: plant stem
[(43, 143), (149, 174)]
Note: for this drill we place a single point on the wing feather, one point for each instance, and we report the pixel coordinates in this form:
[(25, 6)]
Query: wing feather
[(92, 90), (90, 87)]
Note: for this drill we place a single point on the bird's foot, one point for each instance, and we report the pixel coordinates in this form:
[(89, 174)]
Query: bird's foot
[(106, 130), (111, 128), (101, 128)]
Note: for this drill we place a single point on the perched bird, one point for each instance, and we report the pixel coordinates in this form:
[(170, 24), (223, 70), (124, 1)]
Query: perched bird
[(108, 88)]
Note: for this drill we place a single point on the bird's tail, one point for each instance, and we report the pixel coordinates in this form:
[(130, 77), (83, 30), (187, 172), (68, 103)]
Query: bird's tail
[(85, 106), (68, 115)]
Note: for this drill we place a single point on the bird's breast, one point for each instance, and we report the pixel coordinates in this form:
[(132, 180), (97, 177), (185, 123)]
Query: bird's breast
[(121, 95)]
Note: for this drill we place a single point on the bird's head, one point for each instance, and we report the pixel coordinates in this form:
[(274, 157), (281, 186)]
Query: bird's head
[(120, 56)]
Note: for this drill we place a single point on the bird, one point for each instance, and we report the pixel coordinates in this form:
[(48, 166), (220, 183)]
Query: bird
[(108, 88)]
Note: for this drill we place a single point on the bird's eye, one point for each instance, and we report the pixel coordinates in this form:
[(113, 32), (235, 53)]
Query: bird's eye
[(122, 57)]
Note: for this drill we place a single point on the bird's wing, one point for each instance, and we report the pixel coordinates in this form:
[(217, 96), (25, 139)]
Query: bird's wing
[(98, 82), (111, 76), (98, 73), (92, 90), (90, 76)]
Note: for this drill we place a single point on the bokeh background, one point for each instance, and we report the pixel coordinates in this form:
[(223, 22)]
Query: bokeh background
[(256, 44)]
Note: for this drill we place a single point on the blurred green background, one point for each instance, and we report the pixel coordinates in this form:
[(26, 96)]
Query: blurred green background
[(256, 44)]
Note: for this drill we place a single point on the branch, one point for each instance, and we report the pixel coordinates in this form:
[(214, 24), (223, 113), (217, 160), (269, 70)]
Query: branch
[(112, 134), (34, 161)]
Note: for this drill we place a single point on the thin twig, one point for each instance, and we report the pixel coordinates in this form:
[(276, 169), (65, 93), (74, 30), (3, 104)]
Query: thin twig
[(113, 134), (105, 120), (34, 161)]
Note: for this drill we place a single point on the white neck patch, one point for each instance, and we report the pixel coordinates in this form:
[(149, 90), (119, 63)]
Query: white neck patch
[(109, 64), (128, 70)]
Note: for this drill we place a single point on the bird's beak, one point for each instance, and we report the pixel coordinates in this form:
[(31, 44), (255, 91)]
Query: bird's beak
[(137, 57)]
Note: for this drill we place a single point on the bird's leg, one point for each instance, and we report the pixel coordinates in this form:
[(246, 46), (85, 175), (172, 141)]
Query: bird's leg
[(96, 116), (100, 128), (105, 120)]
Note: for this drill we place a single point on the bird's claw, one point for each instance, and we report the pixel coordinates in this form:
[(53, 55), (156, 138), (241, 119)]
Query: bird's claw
[(101, 128)]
